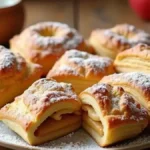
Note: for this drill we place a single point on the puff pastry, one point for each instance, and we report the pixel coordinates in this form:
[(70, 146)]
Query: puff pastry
[(134, 59), (110, 114), (43, 43), (135, 83), (81, 69), (109, 42), (45, 111), (16, 75)]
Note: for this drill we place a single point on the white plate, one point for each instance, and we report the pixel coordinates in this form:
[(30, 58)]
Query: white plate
[(79, 140)]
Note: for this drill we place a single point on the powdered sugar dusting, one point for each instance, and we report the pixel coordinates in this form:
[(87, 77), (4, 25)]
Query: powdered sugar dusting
[(101, 92), (64, 68), (128, 34), (118, 37), (61, 37), (137, 112), (136, 78), (91, 63), (7, 58), (44, 92), (79, 140), (121, 102)]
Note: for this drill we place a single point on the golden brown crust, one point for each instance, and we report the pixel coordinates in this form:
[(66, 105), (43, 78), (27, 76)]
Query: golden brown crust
[(46, 41), (141, 51), (39, 97), (117, 111), (134, 59), (15, 74), (81, 66), (133, 81), (44, 103), (117, 39), (115, 101)]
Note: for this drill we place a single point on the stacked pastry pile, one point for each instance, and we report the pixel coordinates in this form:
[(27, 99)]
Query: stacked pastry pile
[(80, 86)]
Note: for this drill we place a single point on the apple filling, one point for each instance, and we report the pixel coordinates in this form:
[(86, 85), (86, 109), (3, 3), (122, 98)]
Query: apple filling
[(92, 119), (57, 122)]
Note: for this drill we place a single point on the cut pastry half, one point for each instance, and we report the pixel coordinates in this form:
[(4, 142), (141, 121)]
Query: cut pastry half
[(111, 115), (81, 69), (45, 111), (134, 59)]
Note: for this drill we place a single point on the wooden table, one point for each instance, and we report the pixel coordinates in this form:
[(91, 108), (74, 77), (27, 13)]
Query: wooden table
[(92, 14)]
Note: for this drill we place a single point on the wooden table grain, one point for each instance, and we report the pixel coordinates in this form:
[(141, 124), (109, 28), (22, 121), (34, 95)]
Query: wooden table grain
[(92, 13)]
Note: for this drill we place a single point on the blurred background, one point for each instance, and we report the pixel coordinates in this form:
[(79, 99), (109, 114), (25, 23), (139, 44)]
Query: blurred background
[(90, 13), (85, 15)]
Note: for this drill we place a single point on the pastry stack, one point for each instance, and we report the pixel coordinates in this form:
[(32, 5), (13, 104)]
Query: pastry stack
[(53, 82)]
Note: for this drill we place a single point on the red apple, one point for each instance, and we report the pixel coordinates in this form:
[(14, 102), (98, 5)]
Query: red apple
[(141, 8)]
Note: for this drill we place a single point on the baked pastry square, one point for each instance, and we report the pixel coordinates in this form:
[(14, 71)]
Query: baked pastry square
[(16, 75), (110, 114), (109, 42), (44, 43), (45, 111), (134, 59), (81, 69)]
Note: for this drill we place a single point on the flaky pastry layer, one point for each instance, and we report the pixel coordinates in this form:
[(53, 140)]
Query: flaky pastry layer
[(134, 59), (110, 114), (135, 83), (45, 111), (16, 75), (43, 43), (81, 69), (109, 42)]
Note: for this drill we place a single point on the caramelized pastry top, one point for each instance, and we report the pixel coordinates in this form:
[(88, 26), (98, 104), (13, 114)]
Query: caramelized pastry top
[(82, 64), (140, 50), (121, 37), (114, 101)]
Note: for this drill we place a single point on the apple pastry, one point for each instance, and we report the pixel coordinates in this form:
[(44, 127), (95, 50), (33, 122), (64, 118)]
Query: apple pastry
[(109, 42), (110, 114), (135, 83), (45, 111), (134, 59), (81, 69)]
